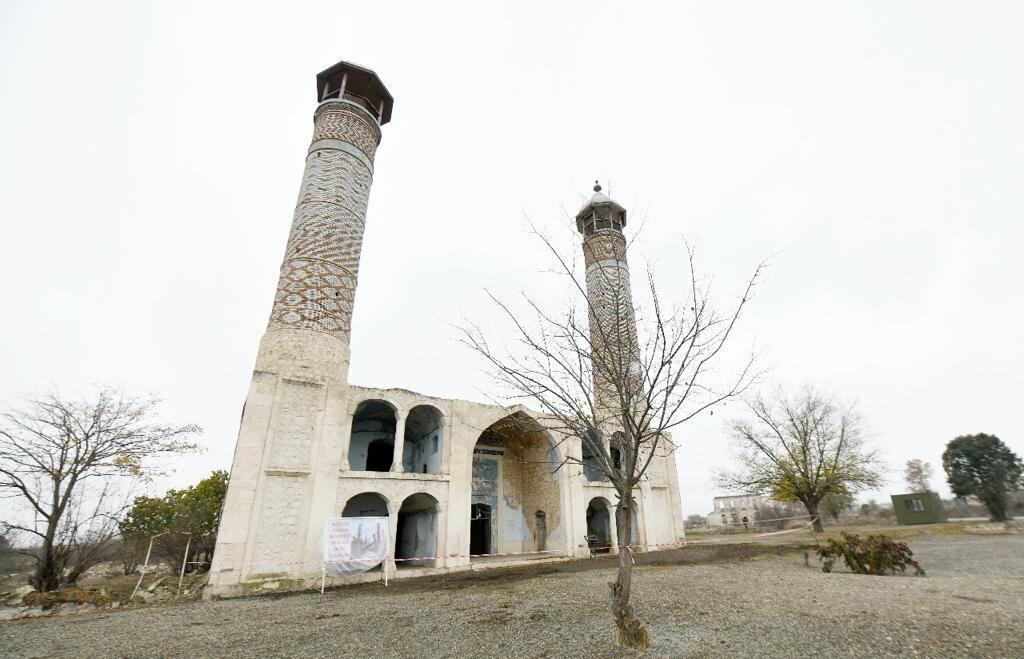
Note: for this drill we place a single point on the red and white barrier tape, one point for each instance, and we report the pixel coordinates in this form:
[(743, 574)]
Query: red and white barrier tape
[(567, 550)]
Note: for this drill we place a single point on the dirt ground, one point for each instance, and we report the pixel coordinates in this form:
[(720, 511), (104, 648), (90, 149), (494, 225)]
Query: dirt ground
[(731, 600)]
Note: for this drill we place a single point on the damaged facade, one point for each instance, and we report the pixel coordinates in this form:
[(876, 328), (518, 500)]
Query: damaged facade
[(457, 480)]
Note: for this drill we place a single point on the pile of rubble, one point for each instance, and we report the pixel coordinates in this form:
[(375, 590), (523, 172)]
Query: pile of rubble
[(25, 602)]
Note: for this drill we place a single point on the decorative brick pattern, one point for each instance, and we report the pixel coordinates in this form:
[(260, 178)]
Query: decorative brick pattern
[(603, 246), (335, 177), (611, 301), (612, 319), (315, 295), (278, 532), (296, 418), (327, 232), (317, 285), (339, 121)]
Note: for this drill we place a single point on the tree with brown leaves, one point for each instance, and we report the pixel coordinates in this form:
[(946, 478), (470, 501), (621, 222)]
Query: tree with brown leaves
[(918, 475)]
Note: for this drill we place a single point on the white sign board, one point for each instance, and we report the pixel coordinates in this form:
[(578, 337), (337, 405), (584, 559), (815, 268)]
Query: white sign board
[(350, 545)]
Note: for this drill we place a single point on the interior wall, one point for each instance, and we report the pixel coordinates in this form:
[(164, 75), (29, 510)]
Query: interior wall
[(364, 432), (423, 442), (417, 534), (599, 521), (528, 487)]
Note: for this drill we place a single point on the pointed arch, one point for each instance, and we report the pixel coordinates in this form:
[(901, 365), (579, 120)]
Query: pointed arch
[(516, 501)]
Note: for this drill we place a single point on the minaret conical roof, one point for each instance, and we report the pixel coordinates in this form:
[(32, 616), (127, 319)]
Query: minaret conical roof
[(600, 202)]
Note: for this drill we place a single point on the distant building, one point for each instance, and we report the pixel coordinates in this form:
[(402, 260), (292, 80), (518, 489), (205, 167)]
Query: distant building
[(733, 510), (918, 508)]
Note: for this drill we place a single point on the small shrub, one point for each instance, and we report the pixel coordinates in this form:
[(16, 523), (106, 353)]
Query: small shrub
[(875, 554)]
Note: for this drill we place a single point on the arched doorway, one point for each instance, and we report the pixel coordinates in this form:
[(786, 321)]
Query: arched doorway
[(368, 504), (372, 442), (423, 447), (599, 526), (417, 532), (516, 498)]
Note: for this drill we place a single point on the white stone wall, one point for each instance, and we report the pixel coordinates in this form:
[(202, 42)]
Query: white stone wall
[(288, 525)]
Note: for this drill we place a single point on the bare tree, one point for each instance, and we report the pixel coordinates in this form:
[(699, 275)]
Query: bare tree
[(615, 380), (63, 459), (801, 447), (918, 475)]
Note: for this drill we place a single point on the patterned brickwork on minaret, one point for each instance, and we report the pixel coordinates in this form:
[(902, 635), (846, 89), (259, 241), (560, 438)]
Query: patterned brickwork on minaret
[(612, 322), (317, 285), (608, 289)]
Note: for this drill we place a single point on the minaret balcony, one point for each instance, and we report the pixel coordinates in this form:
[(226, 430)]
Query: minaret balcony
[(355, 99)]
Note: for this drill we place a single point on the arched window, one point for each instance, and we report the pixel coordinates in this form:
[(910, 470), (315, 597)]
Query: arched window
[(616, 448), (372, 443), (424, 441), (591, 462), (616, 458)]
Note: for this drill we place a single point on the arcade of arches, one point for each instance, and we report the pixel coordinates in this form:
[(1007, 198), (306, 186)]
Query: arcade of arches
[(417, 525), (375, 427)]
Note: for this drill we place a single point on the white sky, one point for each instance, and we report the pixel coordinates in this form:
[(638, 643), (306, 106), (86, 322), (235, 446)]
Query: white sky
[(150, 156)]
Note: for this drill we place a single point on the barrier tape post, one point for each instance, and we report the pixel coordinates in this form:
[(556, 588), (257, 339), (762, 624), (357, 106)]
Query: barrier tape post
[(184, 562), (145, 564), (323, 577), (815, 535)]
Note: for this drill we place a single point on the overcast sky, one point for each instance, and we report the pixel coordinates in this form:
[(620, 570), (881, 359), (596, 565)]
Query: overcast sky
[(151, 153)]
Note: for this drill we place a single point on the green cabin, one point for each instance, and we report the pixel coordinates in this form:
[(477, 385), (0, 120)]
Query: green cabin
[(918, 508)]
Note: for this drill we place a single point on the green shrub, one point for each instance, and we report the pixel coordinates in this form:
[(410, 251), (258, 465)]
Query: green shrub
[(875, 554)]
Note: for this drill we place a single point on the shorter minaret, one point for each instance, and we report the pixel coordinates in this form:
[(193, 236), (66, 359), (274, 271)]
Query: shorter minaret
[(613, 335)]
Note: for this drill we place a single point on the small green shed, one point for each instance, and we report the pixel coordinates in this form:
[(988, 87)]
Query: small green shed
[(918, 508)]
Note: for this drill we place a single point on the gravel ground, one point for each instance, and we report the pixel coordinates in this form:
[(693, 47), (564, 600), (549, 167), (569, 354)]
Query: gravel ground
[(970, 604)]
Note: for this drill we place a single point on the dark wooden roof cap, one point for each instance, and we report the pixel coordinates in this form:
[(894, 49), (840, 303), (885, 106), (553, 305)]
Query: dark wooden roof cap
[(361, 82)]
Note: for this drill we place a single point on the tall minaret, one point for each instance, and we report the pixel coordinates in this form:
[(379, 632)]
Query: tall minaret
[(312, 313), (289, 451), (612, 321)]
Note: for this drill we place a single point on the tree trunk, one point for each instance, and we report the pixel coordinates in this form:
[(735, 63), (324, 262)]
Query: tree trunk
[(995, 501), (812, 510), (631, 632), (47, 574)]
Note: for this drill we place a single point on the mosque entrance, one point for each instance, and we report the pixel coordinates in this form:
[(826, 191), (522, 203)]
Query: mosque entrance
[(599, 531), (516, 501), (480, 529)]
